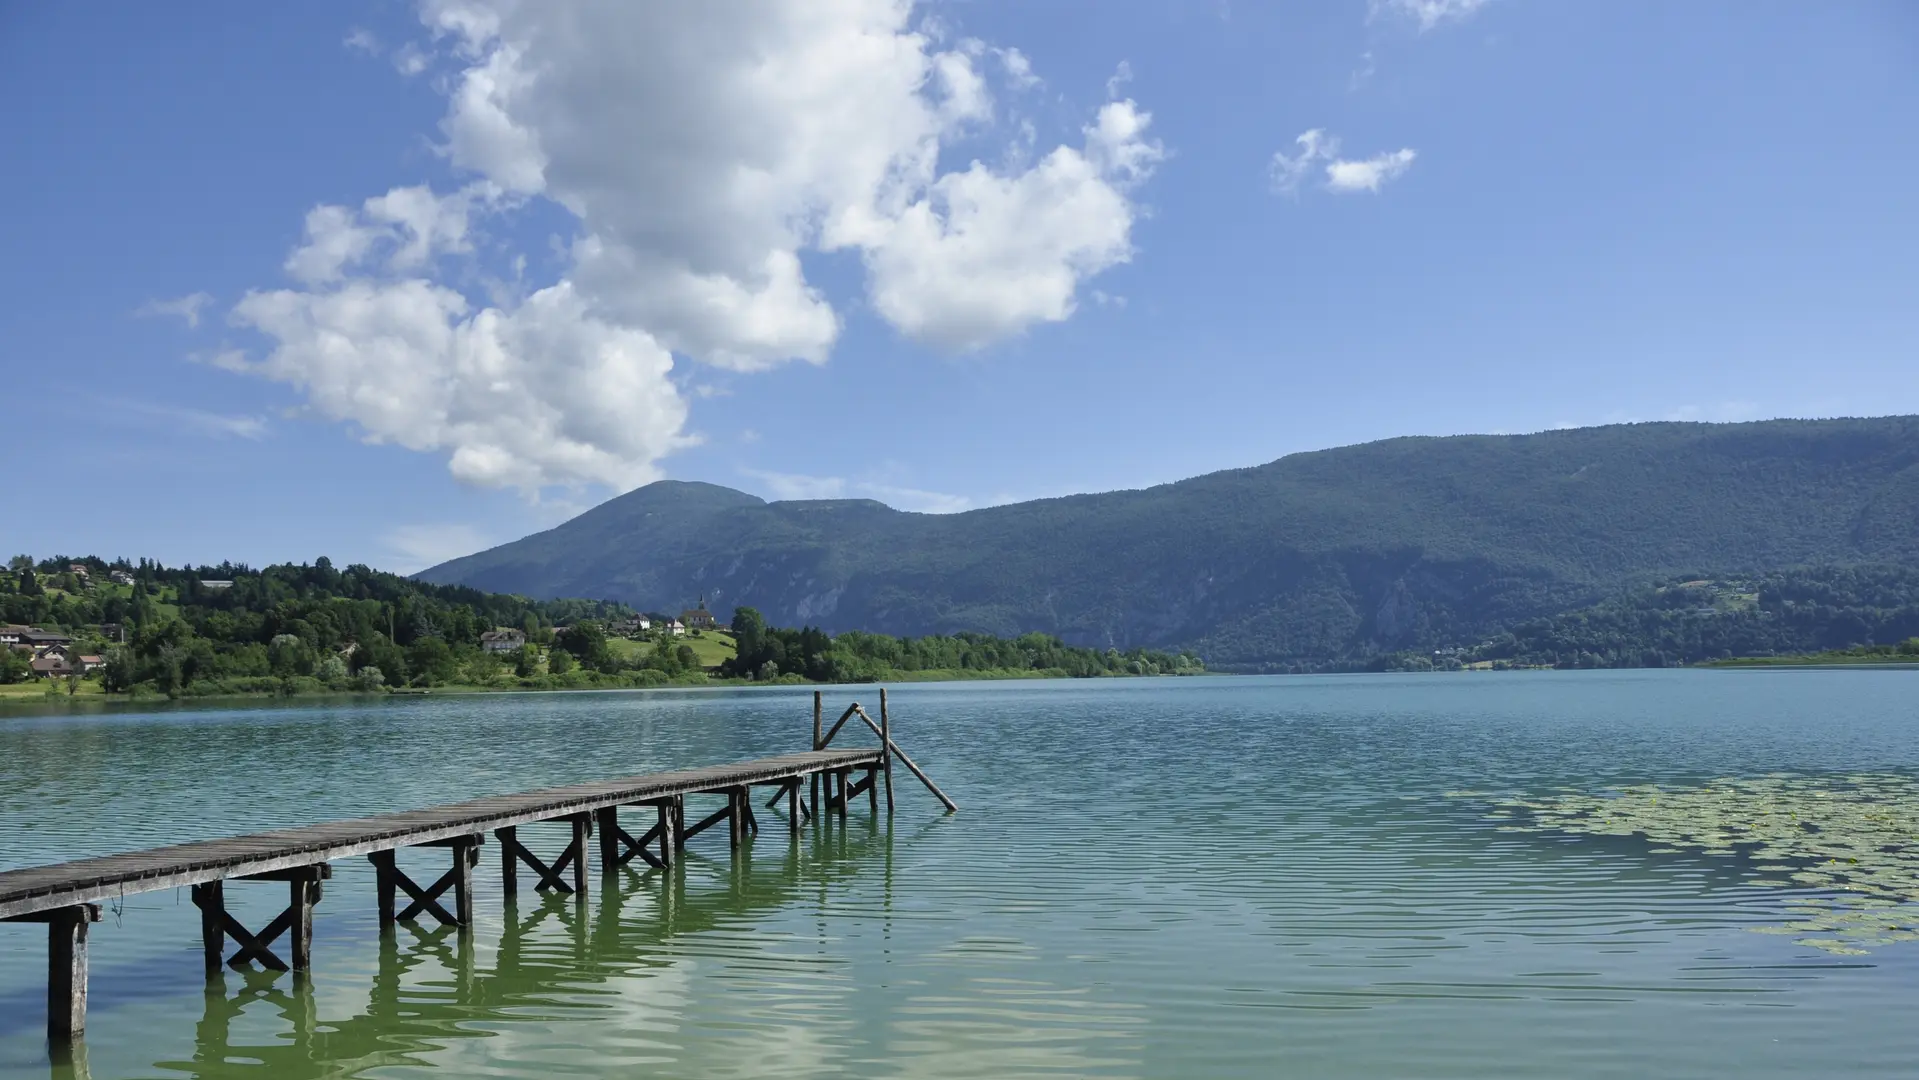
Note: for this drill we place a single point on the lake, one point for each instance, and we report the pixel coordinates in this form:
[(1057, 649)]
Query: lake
[(1219, 877)]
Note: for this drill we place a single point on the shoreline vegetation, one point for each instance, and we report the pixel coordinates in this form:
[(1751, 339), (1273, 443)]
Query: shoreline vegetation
[(1904, 654), (118, 631)]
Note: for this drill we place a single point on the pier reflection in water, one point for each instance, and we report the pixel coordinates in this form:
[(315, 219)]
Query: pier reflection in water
[(552, 961)]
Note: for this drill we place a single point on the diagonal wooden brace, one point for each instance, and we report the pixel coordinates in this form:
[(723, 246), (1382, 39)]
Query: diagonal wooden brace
[(618, 847), (853, 792), (512, 852), (217, 924), (391, 880), (707, 822)]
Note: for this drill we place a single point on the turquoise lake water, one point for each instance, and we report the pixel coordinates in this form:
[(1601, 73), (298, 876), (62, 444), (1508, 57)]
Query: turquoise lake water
[(1223, 877)]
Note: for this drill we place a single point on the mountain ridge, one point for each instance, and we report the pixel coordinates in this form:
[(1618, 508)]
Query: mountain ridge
[(1316, 557)]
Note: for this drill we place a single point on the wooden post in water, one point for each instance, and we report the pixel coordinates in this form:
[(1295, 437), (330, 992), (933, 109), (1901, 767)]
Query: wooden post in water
[(466, 853), (67, 970), (509, 881), (816, 746), (793, 808), (845, 775), (668, 841), (582, 828), (734, 825), (304, 892), (609, 829), (210, 898), (383, 884), (886, 751)]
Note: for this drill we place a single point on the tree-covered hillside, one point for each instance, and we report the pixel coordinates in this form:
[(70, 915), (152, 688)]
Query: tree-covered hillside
[(214, 629), (1331, 558), (1692, 620)]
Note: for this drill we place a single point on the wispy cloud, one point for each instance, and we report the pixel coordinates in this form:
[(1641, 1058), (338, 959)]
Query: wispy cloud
[(916, 500), (176, 418), (409, 59), (1344, 176), (1427, 13), (413, 548), (185, 307), (782, 486), (797, 486)]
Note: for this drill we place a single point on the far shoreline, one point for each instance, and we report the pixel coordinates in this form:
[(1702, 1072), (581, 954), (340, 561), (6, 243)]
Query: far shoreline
[(51, 703)]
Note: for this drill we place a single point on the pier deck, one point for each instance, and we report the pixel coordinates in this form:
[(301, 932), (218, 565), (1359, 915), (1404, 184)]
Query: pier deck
[(67, 896), (44, 888)]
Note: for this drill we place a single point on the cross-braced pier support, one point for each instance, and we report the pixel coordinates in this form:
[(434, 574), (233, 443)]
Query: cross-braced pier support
[(797, 811), (513, 853), (391, 881), (618, 847), (218, 924)]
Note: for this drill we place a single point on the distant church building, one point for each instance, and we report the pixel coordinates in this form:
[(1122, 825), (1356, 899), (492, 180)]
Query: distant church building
[(698, 618)]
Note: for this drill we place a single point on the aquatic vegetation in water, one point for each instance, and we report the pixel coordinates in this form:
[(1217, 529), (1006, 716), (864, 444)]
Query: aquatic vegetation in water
[(1853, 836)]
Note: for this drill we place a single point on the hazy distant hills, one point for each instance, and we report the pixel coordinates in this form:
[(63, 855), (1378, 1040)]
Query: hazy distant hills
[(1317, 557)]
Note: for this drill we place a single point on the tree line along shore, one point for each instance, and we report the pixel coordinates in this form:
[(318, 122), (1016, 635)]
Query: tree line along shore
[(89, 626)]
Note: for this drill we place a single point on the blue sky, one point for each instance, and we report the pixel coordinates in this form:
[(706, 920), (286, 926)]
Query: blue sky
[(392, 283)]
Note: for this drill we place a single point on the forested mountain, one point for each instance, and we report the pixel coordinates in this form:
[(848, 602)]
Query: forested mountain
[(1331, 558)]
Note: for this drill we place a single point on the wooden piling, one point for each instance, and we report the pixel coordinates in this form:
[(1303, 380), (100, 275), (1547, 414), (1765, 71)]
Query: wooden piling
[(509, 859), (669, 834), (817, 704), (582, 828), (466, 855), (303, 893), (210, 898), (67, 970), (609, 829), (886, 750)]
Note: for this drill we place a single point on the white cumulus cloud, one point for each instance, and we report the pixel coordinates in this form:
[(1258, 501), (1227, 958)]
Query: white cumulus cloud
[(702, 151), (1320, 151)]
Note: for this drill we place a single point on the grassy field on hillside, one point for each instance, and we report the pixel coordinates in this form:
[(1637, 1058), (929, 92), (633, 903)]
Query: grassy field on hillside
[(713, 647)]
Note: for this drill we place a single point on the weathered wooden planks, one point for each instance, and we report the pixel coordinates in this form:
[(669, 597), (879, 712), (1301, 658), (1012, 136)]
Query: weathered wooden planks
[(44, 888)]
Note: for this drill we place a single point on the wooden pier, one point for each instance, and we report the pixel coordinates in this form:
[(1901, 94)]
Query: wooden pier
[(67, 896)]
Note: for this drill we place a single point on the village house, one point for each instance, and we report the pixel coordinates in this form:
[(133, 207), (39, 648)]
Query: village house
[(638, 624), (674, 627), (120, 577), (55, 662), (79, 570), (215, 584), (38, 640), (11, 636), (503, 640)]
